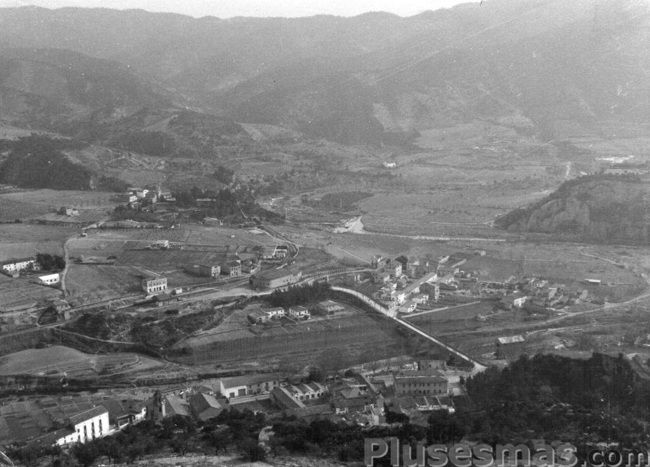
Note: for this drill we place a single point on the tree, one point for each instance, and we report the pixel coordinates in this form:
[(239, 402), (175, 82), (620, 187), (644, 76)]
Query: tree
[(86, 453), (444, 428), (316, 374), (224, 175), (50, 262), (251, 451), (181, 443), (221, 439)]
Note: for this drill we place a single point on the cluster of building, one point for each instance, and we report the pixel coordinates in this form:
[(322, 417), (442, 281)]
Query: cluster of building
[(275, 278), (266, 315), (359, 397), (154, 284), (67, 420), (14, 267), (403, 283), (136, 197), (415, 389), (410, 284), (275, 253), (539, 296)]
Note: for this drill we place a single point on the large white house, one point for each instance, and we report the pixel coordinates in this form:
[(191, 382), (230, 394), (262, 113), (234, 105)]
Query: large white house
[(154, 284), (14, 266), (85, 426), (299, 312)]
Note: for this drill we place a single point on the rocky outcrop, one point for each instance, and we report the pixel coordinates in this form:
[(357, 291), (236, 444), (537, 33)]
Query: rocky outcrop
[(596, 208)]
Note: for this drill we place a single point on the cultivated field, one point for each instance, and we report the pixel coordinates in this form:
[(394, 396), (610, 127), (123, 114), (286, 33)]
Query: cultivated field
[(355, 338), (26, 204), (458, 319), (24, 293), (59, 360), (165, 260), (34, 234), (461, 211), (89, 284)]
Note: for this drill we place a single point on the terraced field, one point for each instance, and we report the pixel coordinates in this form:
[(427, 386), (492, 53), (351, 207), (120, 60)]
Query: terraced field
[(360, 337)]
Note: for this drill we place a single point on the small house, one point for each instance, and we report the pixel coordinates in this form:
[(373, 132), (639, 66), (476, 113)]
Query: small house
[(50, 279), (299, 312)]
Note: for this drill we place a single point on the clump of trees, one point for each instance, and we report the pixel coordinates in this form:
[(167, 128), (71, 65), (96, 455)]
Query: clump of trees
[(50, 262), (225, 203), (299, 294), (224, 175), (585, 400)]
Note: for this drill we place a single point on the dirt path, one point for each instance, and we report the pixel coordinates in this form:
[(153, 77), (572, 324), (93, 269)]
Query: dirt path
[(66, 258)]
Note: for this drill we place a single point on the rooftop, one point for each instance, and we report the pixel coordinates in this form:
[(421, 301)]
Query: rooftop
[(177, 405), (245, 380), (200, 402), (88, 414), (511, 339), (17, 260)]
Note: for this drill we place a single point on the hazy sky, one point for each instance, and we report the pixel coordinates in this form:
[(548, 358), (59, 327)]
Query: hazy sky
[(229, 8)]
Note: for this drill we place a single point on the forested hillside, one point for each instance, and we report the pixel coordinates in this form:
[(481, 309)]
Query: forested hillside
[(608, 208)]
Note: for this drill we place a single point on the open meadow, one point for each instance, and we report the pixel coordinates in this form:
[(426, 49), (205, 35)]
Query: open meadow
[(12, 235), (28, 204), (94, 283), (61, 360)]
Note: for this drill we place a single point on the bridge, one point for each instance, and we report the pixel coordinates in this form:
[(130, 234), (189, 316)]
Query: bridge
[(391, 314)]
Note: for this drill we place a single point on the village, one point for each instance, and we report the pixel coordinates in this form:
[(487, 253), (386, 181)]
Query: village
[(359, 395), (166, 265)]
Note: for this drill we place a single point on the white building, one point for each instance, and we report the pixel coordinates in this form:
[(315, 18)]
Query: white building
[(154, 285), (239, 386), (299, 312), (50, 279), (519, 302), (274, 312), (91, 424), (14, 266), (86, 426), (307, 391)]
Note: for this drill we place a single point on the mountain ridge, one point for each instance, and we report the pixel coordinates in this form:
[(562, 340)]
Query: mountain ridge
[(559, 64)]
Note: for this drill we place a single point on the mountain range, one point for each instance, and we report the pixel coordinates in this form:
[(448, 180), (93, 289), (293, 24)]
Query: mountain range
[(546, 67)]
